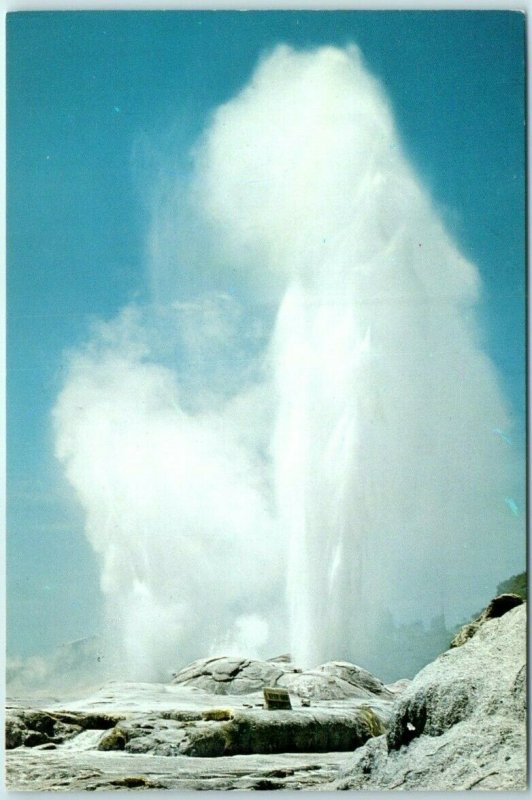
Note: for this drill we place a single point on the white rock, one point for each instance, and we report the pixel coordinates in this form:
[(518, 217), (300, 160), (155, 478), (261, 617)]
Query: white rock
[(460, 724)]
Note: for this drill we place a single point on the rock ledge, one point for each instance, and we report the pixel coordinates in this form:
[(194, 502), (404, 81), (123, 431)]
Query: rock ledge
[(460, 724)]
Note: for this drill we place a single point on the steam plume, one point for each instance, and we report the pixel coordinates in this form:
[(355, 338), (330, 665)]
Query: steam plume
[(176, 503), (359, 440)]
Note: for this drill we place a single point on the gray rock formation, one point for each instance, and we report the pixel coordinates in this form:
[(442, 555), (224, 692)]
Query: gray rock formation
[(336, 680), (497, 608), (234, 676), (90, 770), (460, 724), (169, 736), (31, 728), (246, 732)]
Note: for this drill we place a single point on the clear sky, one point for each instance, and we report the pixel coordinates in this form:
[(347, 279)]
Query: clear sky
[(91, 95)]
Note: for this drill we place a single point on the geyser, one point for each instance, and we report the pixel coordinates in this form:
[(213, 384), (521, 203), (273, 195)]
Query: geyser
[(389, 478), (357, 443)]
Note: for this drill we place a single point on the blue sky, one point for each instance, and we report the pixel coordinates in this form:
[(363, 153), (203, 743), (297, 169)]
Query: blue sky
[(91, 94)]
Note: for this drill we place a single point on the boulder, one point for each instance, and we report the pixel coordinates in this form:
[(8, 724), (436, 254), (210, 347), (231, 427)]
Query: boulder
[(114, 739), (230, 675), (336, 680), (15, 732), (285, 658), (460, 724)]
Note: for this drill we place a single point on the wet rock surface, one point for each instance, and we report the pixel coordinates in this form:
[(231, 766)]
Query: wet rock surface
[(50, 771), (144, 736), (250, 732), (34, 728), (460, 724)]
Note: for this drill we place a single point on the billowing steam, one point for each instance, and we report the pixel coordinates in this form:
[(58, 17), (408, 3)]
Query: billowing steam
[(177, 502), (350, 453)]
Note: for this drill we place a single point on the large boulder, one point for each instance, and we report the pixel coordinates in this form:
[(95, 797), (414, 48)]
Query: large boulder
[(336, 680), (227, 675), (460, 724)]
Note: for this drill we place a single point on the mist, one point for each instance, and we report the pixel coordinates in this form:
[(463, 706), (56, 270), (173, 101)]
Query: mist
[(307, 446)]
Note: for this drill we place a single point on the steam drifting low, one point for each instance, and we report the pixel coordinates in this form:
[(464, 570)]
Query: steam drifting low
[(252, 479)]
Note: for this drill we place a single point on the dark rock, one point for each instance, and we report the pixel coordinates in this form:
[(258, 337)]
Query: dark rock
[(267, 785), (498, 606), (36, 727), (33, 728), (88, 721), (35, 738), (116, 739), (136, 782), (15, 732), (40, 722)]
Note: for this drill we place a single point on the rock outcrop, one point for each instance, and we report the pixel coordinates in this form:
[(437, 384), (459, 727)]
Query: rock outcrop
[(336, 680), (232, 675), (246, 732), (497, 608), (335, 708), (31, 728), (460, 724)]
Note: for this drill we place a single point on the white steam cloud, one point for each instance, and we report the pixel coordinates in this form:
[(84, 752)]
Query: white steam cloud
[(350, 455), (176, 501)]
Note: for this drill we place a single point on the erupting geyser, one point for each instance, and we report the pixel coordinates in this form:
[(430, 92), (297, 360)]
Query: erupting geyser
[(364, 444)]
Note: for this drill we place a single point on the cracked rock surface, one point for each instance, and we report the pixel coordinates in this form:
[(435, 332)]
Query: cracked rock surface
[(336, 680)]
